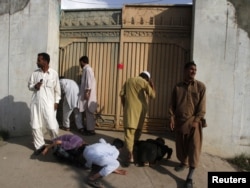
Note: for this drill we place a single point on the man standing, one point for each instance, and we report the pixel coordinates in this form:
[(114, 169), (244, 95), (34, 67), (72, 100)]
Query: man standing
[(44, 83), (87, 97), (187, 109), (134, 100), (70, 90)]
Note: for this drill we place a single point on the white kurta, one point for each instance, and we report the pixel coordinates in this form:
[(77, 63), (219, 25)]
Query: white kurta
[(102, 154), (71, 92), (42, 103), (88, 82), (70, 103)]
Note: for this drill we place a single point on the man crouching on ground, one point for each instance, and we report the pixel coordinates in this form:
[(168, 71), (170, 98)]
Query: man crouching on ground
[(68, 148), (105, 156)]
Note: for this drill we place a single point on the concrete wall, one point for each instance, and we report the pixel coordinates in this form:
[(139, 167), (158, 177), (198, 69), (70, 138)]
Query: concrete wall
[(221, 49), (28, 27)]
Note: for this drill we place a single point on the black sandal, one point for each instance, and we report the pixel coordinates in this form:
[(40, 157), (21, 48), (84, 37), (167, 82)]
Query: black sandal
[(180, 167), (95, 183), (89, 133), (82, 130), (65, 128)]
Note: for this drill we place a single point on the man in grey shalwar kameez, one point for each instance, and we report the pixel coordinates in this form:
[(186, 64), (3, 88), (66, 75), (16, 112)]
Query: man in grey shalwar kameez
[(87, 97)]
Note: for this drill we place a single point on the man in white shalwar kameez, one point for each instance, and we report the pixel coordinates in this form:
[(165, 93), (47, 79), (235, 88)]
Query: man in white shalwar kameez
[(87, 98), (70, 90), (44, 82), (104, 155)]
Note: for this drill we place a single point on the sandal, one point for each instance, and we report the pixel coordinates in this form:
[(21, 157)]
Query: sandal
[(180, 167), (82, 130), (128, 162), (89, 133), (95, 183), (188, 183), (65, 128)]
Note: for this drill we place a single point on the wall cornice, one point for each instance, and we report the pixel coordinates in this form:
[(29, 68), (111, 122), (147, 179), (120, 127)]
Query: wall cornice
[(90, 19), (87, 34)]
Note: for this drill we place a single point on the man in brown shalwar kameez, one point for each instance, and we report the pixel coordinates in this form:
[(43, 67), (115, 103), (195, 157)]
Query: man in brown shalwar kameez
[(187, 109)]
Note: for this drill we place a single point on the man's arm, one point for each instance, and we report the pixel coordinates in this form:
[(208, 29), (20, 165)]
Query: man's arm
[(48, 147), (201, 107), (34, 86), (171, 111), (122, 95), (57, 92)]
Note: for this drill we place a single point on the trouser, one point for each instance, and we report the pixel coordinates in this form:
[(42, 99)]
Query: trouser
[(78, 118), (66, 116), (188, 147), (38, 137), (90, 120), (131, 136)]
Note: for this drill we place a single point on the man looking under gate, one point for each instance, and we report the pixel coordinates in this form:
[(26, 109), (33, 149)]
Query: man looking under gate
[(134, 100), (70, 90)]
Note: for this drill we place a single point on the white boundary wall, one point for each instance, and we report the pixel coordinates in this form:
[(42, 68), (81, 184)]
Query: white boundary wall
[(221, 49), (24, 34)]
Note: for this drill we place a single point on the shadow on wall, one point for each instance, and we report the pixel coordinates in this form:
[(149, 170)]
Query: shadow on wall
[(14, 116), (241, 15)]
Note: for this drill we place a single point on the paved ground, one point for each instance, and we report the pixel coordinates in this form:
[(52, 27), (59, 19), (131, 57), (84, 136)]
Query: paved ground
[(19, 168)]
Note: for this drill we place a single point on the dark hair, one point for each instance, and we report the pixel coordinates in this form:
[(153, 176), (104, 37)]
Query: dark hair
[(160, 140), (145, 76), (189, 64), (45, 56), (81, 149), (61, 77), (84, 59), (118, 143)]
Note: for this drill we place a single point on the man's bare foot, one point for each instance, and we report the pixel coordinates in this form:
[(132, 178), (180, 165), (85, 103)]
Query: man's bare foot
[(120, 171)]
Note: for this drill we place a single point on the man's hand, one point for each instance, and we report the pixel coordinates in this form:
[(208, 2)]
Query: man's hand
[(87, 94), (172, 124), (123, 100), (151, 83), (56, 106), (195, 124), (38, 85)]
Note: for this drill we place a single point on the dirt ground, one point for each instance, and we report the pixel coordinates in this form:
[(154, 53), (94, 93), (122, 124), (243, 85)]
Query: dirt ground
[(20, 168)]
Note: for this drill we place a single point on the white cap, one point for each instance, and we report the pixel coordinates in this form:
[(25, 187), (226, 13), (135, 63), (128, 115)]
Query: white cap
[(147, 73)]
